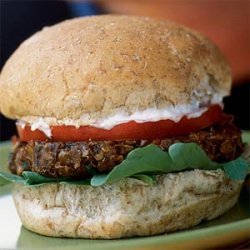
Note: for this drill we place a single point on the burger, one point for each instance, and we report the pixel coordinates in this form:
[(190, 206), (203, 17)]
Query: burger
[(121, 130)]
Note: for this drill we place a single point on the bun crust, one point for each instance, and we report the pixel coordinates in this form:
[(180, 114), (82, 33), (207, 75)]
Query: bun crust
[(127, 208), (101, 65)]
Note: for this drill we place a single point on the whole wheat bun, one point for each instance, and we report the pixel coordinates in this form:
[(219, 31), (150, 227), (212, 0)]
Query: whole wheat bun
[(98, 66), (127, 208)]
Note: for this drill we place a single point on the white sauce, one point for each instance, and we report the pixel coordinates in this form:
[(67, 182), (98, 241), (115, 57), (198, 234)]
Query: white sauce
[(21, 123), (148, 115), (41, 125)]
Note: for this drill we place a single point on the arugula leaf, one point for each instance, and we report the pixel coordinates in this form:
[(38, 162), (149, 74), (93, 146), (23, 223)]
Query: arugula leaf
[(8, 177), (237, 169), (189, 156), (33, 178), (180, 156), (148, 159), (143, 164)]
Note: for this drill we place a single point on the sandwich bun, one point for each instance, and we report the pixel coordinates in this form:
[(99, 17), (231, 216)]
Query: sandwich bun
[(126, 208), (103, 65)]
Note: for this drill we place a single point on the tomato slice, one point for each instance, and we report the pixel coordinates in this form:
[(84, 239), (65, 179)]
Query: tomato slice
[(126, 131)]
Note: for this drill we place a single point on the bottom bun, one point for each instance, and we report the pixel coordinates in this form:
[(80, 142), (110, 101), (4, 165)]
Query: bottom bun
[(127, 208)]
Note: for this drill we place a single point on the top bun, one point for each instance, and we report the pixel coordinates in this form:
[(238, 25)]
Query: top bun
[(98, 66)]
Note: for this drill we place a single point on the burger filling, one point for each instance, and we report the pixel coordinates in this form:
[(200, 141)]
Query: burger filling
[(83, 159)]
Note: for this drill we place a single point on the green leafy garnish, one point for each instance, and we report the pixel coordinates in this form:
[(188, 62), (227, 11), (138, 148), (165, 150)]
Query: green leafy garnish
[(190, 155), (8, 177), (33, 179), (237, 169), (149, 159), (143, 164)]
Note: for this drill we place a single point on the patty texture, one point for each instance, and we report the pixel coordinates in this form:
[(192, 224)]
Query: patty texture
[(222, 142)]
